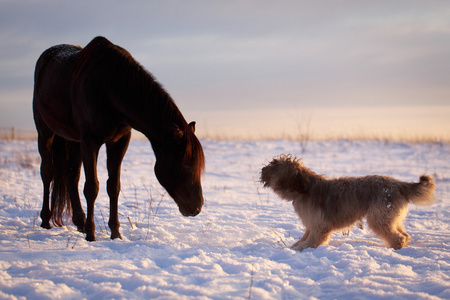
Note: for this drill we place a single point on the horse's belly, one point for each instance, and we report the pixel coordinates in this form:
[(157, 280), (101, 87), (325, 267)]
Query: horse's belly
[(65, 129)]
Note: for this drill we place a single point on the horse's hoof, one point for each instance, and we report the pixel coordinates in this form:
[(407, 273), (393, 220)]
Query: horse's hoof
[(90, 238), (46, 225), (79, 221), (116, 235)]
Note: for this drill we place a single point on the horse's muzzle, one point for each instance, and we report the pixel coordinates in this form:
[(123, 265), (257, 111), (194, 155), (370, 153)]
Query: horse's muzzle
[(190, 213)]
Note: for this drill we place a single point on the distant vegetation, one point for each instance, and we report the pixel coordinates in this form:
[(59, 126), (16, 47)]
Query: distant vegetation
[(300, 134), (15, 134)]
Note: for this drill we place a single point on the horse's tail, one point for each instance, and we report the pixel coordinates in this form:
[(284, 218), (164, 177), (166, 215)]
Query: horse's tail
[(60, 199), (421, 193)]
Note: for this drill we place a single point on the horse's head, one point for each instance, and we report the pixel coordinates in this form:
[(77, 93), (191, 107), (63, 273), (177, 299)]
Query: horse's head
[(179, 164)]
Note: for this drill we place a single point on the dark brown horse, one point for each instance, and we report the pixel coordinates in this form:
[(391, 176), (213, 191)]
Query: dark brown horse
[(86, 97)]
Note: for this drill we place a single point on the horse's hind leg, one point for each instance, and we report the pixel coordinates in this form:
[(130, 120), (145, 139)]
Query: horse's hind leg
[(89, 152), (115, 153), (45, 150), (73, 177)]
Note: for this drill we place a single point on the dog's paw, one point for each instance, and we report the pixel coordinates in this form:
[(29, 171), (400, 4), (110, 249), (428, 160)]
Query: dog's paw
[(299, 246), (402, 241)]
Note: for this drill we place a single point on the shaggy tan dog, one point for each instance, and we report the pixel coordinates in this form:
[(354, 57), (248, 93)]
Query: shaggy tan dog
[(325, 205)]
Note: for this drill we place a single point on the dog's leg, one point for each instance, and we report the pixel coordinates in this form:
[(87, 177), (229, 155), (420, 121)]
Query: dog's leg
[(388, 227), (295, 246), (304, 238), (401, 216), (305, 235), (315, 238), (401, 229)]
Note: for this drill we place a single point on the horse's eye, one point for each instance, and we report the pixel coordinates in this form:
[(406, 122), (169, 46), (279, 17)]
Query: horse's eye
[(188, 168)]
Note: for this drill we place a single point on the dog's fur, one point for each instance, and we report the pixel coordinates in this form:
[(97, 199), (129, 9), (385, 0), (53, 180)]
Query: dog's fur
[(325, 205)]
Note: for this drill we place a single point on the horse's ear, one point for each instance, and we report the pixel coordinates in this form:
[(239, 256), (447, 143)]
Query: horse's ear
[(192, 124)]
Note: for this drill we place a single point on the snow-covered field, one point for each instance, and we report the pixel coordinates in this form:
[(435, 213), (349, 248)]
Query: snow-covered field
[(238, 246)]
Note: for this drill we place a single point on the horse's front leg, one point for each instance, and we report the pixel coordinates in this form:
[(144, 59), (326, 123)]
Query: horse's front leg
[(89, 152), (115, 153)]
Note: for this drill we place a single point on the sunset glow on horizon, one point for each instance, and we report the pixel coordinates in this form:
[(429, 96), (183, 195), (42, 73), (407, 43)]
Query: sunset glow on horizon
[(419, 123)]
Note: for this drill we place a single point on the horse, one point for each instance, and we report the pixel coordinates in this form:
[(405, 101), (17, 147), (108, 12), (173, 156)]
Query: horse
[(86, 97)]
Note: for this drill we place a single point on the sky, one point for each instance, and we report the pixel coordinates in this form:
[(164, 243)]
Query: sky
[(256, 68)]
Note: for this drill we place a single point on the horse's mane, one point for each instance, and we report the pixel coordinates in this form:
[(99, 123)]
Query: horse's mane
[(194, 153), (133, 83), (129, 80)]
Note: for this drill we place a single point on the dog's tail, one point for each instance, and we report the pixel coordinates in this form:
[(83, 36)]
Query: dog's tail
[(422, 193)]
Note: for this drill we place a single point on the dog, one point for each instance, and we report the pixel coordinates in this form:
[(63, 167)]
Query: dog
[(325, 205)]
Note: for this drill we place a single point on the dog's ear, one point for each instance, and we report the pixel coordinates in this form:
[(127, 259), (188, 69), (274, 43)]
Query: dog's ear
[(302, 182)]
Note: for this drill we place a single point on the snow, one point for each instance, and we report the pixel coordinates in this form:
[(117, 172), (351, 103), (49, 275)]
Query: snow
[(65, 51), (237, 247)]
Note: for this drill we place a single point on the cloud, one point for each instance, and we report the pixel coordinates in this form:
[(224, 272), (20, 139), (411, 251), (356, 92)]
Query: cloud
[(218, 54)]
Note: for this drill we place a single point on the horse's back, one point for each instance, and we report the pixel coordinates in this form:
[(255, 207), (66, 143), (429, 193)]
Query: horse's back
[(56, 58), (52, 79)]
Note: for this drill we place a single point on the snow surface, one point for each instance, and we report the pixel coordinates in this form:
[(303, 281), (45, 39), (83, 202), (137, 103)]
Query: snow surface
[(237, 247)]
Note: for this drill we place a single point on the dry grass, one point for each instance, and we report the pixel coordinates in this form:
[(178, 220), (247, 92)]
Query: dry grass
[(315, 138), (303, 133), (9, 134)]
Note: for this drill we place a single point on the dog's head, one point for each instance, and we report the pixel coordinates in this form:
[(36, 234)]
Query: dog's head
[(285, 175)]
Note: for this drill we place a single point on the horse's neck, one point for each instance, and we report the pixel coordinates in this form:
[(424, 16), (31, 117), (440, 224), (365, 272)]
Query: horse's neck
[(154, 118), (145, 105)]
